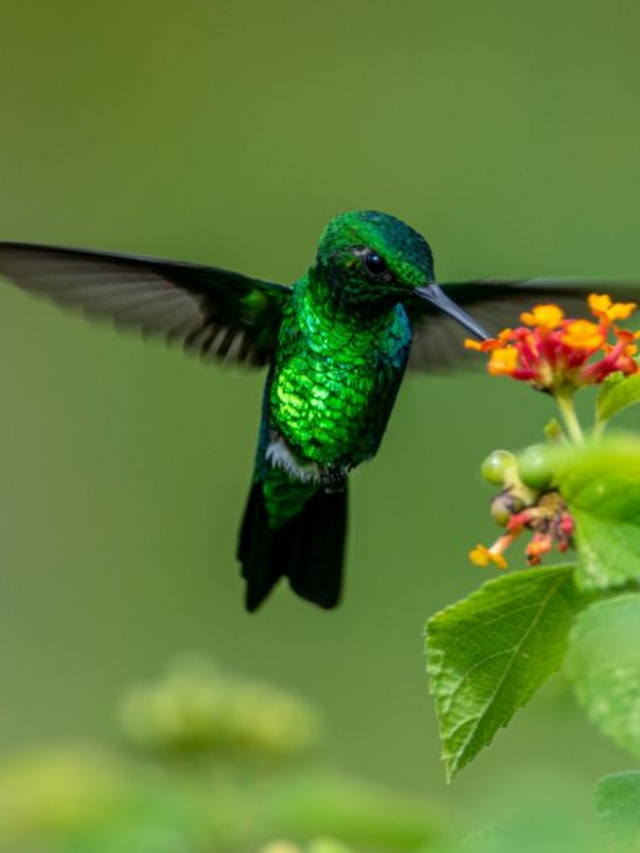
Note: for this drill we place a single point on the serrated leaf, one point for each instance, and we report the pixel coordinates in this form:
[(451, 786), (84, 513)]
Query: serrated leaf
[(487, 655), (618, 806), (616, 394), (604, 664), (601, 484)]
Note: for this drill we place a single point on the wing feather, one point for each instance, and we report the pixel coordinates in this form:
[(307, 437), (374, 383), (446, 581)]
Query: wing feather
[(438, 341), (220, 314)]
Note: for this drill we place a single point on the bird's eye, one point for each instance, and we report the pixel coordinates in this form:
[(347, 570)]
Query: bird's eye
[(374, 264)]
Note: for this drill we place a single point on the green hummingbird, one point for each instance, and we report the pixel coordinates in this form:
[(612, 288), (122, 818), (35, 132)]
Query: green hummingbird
[(336, 343)]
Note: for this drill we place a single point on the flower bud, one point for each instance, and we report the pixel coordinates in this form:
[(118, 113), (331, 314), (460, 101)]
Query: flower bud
[(504, 506)]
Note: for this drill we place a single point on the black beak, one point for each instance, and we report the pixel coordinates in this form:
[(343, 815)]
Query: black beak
[(435, 296)]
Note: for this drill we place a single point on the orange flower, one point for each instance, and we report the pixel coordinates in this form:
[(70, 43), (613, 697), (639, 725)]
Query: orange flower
[(582, 334), (490, 343), (472, 343), (503, 361), (601, 306), (621, 310), (543, 317), (482, 556), (561, 355)]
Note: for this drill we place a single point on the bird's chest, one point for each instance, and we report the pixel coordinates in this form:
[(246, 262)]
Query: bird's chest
[(332, 389)]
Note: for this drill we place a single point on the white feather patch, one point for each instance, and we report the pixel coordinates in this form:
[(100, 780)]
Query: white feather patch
[(280, 456)]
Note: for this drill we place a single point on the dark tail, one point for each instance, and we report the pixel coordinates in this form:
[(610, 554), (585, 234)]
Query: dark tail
[(308, 549)]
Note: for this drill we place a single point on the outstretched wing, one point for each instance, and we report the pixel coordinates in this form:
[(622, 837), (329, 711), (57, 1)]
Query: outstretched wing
[(217, 313), (438, 341)]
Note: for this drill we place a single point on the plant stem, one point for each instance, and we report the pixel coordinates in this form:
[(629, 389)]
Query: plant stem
[(568, 412)]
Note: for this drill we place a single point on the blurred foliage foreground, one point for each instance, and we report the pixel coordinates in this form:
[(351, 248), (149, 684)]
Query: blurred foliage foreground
[(205, 762)]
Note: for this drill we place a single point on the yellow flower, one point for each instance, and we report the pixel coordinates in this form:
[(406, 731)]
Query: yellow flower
[(543, 316), (599, 304), (482, 556), (584, 335), (621, 310), (503, 361), (602, 306)]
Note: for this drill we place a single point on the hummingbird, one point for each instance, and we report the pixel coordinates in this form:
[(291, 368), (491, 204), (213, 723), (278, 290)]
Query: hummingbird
[(336, 345)]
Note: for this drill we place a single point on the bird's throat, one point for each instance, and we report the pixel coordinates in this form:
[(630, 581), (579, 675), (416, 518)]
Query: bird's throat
[(347, 302)]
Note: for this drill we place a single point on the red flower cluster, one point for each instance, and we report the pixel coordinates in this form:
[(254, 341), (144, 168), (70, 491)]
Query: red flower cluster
[(557, 354)]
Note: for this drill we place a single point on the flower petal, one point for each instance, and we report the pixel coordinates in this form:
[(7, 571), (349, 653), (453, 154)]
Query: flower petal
[(601, 306), (543, 316), (503, 361), (482, 556), (583, 335)]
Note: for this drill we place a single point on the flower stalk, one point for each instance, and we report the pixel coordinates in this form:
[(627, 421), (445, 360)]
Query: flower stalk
[(567, 409)]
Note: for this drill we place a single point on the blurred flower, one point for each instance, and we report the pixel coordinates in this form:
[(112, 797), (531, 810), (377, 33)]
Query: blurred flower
[(280, 846), (319, 845), (50, 791), (327, 845), (196, 708), (559, 355)]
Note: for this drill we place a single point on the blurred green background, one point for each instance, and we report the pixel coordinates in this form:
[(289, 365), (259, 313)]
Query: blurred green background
[(229, 132)]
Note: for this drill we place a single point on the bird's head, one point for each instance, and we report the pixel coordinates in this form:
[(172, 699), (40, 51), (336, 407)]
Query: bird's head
[(371, 261)]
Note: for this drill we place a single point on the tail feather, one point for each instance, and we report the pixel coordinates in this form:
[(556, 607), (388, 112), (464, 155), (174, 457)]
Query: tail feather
[(257, 551), (308, 549)]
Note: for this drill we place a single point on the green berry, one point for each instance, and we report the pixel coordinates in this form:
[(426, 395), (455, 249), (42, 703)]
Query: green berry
[(495, 467), (534, 467)]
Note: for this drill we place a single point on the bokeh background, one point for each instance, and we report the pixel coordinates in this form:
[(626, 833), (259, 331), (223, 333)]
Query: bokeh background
[(229, 132)]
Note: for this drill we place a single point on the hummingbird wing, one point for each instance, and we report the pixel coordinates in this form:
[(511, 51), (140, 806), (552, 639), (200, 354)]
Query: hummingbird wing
[(213, 312), (438, 341)]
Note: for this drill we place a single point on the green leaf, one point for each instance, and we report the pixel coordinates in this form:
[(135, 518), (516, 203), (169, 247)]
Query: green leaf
[(609, 550), (601, 484), (616, 394), (604, 664), (618, 806), (487, 654)]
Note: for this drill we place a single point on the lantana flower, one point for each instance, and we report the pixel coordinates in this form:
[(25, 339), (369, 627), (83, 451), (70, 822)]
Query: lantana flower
[(559, 355)]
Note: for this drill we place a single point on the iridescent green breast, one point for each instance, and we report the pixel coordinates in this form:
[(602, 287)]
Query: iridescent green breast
[(335, 381)]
